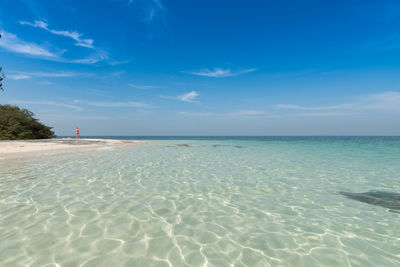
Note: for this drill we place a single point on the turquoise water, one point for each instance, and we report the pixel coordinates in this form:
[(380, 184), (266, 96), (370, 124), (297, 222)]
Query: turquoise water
[(217, 202)]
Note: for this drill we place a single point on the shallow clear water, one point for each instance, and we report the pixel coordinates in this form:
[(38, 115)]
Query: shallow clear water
[(244, 201)]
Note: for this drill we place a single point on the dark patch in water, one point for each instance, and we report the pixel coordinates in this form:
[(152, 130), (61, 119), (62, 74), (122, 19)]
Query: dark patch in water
[(387, 200), (218, 145), (185, 145)]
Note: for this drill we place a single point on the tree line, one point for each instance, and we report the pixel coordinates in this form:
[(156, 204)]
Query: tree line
[(19, 124)]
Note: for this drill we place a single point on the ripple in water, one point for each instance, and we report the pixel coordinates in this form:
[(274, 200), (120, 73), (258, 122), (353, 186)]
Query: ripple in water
[(271, 203)]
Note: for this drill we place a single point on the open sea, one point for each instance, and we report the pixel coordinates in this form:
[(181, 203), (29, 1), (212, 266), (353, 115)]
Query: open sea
[(206, 201)]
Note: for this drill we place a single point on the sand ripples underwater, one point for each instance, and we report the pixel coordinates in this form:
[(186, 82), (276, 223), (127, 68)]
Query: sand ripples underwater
[(225, 203)]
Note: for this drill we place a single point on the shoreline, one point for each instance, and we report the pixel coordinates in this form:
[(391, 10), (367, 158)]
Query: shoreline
[(11, 149)]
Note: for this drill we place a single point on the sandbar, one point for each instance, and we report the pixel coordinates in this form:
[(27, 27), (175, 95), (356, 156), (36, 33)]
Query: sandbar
[(27, 148)]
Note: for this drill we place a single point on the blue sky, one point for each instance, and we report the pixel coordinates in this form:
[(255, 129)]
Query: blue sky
[(159, 67)]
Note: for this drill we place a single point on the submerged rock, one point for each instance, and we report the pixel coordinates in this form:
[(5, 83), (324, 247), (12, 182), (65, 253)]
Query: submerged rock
[(389, 200), (218, 145), (186, 145)]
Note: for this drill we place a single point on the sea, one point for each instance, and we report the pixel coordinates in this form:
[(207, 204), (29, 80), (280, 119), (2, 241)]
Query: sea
[(206, 201)]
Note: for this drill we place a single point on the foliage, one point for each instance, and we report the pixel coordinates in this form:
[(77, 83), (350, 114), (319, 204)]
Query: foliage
[(17, 123)]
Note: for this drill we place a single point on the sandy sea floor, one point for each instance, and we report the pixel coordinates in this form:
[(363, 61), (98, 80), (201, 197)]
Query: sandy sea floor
[(244, 202)]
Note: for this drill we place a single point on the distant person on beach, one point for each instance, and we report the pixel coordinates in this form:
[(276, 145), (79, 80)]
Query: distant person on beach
[(77, 132)]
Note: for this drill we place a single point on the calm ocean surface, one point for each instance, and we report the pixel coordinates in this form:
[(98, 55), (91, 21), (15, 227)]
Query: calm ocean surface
[(215, 201)]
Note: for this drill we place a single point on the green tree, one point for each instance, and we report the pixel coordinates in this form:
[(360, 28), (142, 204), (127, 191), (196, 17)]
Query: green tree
[(17, 124)]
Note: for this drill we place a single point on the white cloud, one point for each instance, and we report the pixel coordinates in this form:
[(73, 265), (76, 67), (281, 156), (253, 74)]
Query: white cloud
[(97, 56), (220, 73), (188, 97), (93, 59), (142, 87), (49, 103), (247, 113), (131, 104), (12, 43), (387, 101), (54, 74), (250, 112), (289, 106), (18, 76), (119, 62), (79, 41), (284, 106), (27, 75), (152, 9)]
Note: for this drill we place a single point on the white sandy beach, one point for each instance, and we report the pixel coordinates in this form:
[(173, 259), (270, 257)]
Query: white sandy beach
[(27, 148)]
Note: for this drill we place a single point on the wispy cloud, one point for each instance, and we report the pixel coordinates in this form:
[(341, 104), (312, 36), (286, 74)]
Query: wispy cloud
[(119, 62), (128, 104), (92, 59), (387, 101), (12, 43), (153, 9), (18, 76), (72, 117), (27, 75), (79, 41), (196, 114), (250, 112), (188, 97), (48, 103), (297, 107), (142, 87), (56, 74), (220, 73), (247, 113)]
